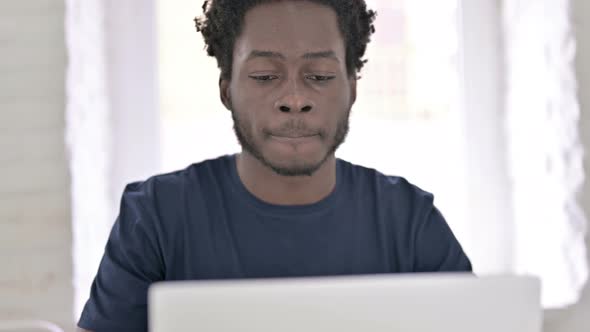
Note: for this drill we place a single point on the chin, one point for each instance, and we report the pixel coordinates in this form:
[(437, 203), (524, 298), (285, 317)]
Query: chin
[(295, 165)]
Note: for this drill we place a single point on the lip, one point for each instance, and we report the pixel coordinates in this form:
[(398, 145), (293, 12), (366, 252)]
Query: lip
[(294, 139)]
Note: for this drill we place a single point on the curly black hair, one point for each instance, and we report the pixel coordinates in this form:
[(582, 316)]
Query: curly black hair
[(222, 20)]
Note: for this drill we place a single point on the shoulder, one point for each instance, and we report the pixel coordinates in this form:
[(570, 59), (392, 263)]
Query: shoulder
[(396, 190), (164, 198), (172, 186)]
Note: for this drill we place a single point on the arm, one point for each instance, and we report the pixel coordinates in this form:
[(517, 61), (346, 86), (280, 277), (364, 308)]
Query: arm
[(132, 261), (436, 248)]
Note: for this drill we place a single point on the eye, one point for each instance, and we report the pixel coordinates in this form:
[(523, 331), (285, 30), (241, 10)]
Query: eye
[(263, 78), (320, 78)]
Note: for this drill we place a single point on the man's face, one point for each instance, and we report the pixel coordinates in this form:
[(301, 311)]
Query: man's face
[(290, 93)]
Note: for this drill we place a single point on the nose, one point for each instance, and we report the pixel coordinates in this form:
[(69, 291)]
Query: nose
[(293, 100)]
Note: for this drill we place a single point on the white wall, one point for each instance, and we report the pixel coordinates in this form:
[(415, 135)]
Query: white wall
[(577, 317), (35, 231)]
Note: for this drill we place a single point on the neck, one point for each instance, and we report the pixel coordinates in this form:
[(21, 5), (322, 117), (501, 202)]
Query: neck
[(273, 188)]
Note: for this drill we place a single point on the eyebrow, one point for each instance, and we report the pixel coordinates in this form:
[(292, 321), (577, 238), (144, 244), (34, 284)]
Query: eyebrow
[(310, 55)]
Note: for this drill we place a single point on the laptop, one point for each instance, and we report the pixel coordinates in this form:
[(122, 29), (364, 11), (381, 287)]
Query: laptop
[(408, 303)]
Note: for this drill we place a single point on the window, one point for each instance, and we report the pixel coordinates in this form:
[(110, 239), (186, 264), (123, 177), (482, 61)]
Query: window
[(430, 108)]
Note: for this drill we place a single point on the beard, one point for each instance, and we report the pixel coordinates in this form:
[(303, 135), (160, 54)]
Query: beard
[(246, 138)]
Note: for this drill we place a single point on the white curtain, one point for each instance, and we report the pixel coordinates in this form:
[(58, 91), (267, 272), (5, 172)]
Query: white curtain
[(542, 116), (545, 151), (88, 136), (112, 118)]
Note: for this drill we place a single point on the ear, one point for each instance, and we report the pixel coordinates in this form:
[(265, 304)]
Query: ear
[(224, 93), (352, 80)]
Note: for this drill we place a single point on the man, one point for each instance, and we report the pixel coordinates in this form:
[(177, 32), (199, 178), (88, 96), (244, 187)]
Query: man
[(284, 206)]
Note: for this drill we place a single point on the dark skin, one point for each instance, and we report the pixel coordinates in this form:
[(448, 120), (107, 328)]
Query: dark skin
[(292, 94), (291, 100)]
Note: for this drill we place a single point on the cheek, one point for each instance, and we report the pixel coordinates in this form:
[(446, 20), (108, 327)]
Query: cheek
[(244, 95), (244, 105), (339, 104), (247, 118)]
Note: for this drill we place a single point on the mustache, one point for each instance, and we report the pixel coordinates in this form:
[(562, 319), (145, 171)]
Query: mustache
[(294, 128)]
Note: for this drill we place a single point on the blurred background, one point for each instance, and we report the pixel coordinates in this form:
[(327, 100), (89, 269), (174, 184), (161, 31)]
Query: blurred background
[(484, 103)]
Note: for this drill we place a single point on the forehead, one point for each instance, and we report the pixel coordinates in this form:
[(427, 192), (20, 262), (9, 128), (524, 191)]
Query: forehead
[(291, 28)]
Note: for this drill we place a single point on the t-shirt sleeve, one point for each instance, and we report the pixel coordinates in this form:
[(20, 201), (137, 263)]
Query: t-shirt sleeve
[(131, 262), (436, 248)]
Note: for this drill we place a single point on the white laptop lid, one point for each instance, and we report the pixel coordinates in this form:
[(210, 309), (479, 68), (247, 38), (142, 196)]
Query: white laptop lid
[(408, 303)]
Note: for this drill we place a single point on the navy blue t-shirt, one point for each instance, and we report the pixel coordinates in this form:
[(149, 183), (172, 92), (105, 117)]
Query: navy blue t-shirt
[(202, 223)]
